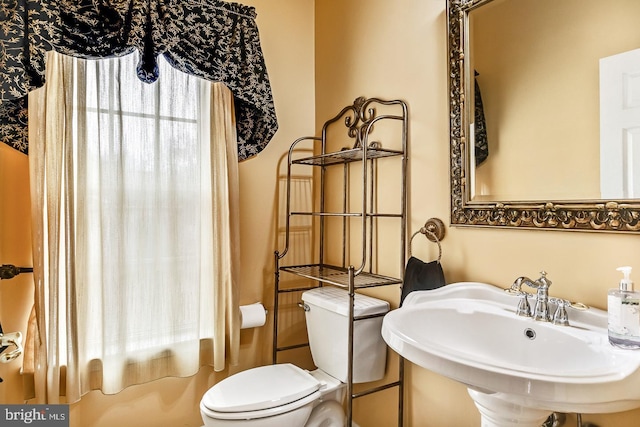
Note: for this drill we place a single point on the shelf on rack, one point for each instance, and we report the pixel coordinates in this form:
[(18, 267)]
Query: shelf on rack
[(339, 276), (346, 156), (349, 214)]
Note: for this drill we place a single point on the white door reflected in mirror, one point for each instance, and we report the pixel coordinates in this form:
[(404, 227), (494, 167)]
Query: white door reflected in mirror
[(620, 126)]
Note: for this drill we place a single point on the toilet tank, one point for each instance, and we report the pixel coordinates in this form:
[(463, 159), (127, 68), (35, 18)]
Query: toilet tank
[(327, 316)]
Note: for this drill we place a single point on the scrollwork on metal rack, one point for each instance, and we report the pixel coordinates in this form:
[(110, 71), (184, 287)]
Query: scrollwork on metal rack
[(360, 123)]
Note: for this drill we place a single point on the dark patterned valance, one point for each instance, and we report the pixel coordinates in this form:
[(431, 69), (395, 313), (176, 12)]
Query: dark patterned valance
[(212, 39)]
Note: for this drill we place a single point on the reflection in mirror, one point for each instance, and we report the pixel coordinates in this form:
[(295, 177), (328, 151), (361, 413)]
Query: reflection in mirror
[(527, 58), (539, 67)]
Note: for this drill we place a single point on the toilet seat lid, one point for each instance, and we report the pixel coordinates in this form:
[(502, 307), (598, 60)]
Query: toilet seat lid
[(260, 388)]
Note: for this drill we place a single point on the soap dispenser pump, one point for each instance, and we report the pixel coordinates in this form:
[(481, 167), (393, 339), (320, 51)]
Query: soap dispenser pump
[(623, 306)]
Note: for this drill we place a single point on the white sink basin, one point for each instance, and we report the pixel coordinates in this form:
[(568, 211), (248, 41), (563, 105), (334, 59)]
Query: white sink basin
[(516, 369)]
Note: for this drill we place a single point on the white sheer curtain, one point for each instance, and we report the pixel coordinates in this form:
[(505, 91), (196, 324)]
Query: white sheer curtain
[(135, 209)]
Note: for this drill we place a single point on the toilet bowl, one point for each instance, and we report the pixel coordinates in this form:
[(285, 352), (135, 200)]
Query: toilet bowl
[(286, 395)]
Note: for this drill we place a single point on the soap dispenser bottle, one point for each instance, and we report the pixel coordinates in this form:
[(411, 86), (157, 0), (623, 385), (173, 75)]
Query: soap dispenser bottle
[(624, 313)]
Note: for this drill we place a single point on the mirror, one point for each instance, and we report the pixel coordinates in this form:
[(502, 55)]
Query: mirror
[(531, 136)]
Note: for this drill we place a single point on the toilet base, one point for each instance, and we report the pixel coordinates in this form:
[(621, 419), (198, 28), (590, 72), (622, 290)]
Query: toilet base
[(327, 414)]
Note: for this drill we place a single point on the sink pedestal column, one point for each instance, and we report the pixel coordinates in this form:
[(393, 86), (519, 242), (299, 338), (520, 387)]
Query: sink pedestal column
[(496, 412)]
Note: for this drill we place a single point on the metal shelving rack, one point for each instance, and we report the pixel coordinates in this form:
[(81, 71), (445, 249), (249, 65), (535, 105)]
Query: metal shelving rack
[(359, 119)]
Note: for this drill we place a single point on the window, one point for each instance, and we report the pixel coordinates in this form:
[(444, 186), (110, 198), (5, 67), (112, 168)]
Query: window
[(139, 233)]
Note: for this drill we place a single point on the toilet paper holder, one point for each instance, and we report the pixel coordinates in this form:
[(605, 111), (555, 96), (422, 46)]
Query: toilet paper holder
[(252, 315)]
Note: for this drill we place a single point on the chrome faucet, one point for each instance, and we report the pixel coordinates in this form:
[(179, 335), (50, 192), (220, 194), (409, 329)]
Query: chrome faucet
[(541, 308)]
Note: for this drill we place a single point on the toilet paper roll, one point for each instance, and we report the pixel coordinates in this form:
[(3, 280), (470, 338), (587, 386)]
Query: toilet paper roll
[(252, 315)]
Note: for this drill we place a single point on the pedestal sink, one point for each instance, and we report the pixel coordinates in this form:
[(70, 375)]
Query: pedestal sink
[(517, 370)]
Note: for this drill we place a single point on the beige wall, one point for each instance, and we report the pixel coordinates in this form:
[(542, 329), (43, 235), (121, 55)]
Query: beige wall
[(391, 49), (16, 295)]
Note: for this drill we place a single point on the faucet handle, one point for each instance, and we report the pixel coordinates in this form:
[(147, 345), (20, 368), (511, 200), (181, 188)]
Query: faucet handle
[(524, 308), (543, 279), (560, 317)]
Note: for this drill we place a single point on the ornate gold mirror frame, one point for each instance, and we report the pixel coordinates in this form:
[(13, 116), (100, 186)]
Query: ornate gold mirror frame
[(589, 215)]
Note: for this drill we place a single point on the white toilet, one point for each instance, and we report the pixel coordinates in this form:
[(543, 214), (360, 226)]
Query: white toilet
[(285, 395)]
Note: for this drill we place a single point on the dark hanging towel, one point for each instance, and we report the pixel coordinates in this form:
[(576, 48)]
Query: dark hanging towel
[(421, 276), (481, 143)]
